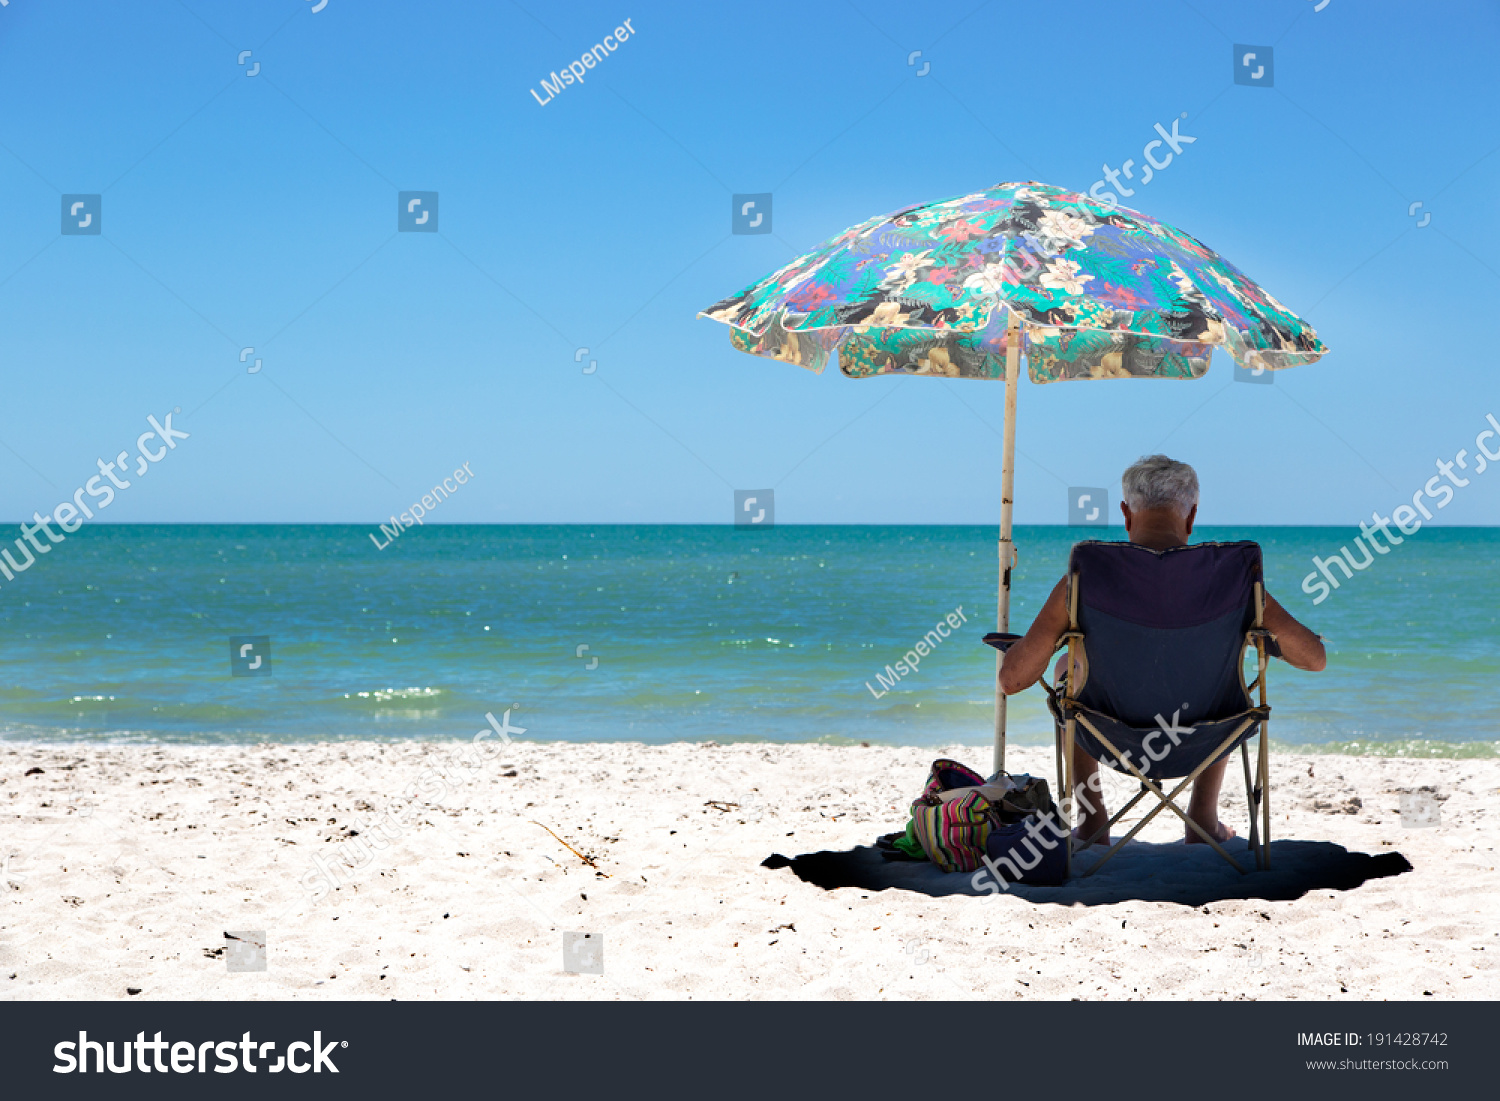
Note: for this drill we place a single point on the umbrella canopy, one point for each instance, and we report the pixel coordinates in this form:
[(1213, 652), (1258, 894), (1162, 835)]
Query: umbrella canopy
[(1101, 292), (959, 288)]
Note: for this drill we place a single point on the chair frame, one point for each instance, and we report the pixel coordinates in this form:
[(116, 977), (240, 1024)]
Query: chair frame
[(1257, 792)]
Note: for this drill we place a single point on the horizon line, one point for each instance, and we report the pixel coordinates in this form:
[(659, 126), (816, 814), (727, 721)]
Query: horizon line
[(692, 524)]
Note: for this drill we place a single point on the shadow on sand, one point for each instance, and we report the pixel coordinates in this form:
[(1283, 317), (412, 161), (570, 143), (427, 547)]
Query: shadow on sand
[(1191, 875)]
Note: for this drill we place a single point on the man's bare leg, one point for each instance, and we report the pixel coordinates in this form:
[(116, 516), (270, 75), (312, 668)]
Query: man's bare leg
[(1203, 808), (1088, 793), (1088, 796)]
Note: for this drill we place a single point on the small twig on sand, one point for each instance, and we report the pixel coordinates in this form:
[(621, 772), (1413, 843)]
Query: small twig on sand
[(586, 859), (720, 805)]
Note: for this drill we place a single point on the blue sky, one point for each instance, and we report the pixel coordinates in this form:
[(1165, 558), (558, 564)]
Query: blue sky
[(259, 212)]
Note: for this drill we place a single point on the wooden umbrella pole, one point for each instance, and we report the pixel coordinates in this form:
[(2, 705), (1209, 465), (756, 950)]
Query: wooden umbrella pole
[(1007, 548)]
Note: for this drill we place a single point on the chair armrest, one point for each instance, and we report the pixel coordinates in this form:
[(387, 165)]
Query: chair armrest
[(1001, 642), (1273, 648)]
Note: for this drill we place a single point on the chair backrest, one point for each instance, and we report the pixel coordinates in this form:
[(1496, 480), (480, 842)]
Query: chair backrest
[(1165, 628)]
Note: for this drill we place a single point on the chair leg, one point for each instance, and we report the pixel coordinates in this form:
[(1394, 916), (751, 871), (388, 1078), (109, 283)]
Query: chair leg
[(1252, 801), (1117, 816), (1265, 793), (1066, 802), (1163, 801), (1058, 744), (1167, 800)]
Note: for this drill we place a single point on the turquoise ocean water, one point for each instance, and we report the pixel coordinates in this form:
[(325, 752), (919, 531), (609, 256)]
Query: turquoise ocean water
[(121, 633)]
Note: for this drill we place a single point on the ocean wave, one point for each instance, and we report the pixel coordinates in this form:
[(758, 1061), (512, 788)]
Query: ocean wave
[(381, 695)]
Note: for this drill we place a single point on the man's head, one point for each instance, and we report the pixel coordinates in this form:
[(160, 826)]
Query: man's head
[(1159, 500)]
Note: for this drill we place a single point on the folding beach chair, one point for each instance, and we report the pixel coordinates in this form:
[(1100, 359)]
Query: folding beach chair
[(1155, 678)]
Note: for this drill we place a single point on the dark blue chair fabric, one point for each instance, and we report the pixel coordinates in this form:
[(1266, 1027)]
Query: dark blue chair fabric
[(1164, 632)]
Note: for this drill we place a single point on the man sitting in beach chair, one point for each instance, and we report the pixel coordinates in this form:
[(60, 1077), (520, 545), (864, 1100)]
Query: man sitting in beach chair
[(1155, 628)]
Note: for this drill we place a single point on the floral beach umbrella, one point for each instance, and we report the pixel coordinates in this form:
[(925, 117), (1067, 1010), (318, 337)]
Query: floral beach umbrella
[(962, 287)]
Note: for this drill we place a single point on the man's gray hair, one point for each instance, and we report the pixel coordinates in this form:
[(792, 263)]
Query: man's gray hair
[(1155, 481)]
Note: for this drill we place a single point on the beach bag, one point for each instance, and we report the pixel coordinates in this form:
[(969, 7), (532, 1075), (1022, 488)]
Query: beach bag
[(1037, 856), (1029, 845), (959, 819), (953, 816)]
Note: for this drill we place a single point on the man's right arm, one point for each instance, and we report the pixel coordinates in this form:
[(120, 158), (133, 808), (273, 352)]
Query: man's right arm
[(1299, 646)]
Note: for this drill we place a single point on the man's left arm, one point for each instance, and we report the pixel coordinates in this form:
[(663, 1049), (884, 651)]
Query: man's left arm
[(1300, 647), (1026, 661)]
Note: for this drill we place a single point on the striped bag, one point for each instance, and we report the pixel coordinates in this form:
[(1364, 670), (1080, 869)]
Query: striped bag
[(952, 818)]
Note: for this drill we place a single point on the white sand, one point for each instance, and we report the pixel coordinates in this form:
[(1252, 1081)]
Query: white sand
[(128, 864)]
